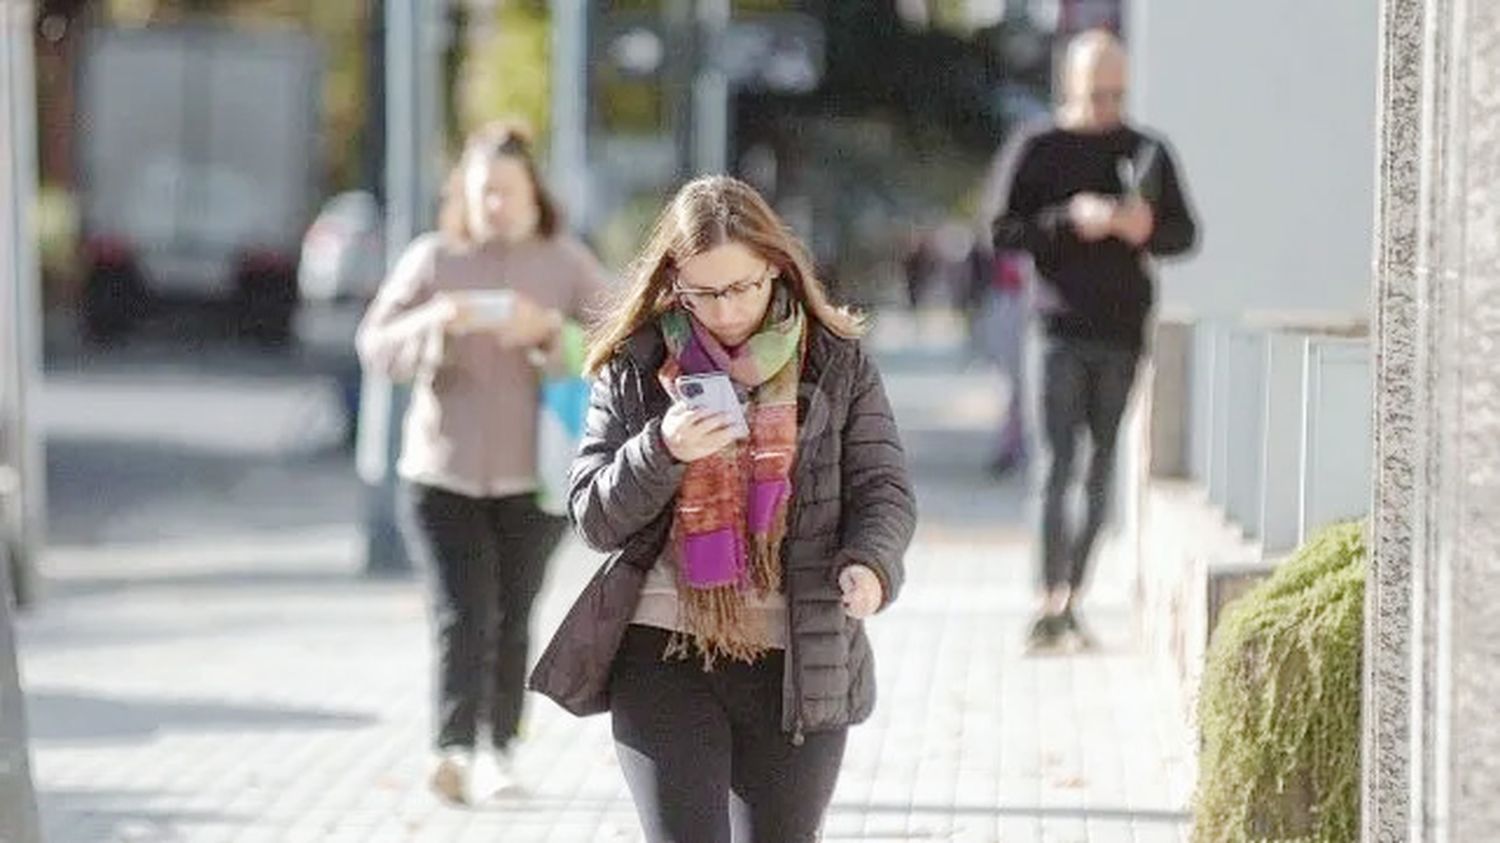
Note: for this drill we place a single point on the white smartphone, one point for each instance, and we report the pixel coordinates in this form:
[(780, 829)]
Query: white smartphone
[(714, 393), (490, 307)]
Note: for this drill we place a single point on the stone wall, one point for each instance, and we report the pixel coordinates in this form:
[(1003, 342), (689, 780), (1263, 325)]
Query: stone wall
[(1432, 743)]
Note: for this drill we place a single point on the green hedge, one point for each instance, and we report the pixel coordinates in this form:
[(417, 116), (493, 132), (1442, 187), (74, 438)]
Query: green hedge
[(1280, 702)]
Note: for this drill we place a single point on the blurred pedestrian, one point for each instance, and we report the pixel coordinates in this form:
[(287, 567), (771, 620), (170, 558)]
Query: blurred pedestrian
[(725, 636), (1000, 324), (1001, 321), (1091, 199), (919, 263), (469, 315)]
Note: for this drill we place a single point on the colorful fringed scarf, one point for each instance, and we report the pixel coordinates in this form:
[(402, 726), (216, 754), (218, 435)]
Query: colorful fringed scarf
[(732, 506)]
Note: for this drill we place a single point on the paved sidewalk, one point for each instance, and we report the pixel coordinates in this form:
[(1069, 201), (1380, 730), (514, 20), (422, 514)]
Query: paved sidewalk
[(254, 688)]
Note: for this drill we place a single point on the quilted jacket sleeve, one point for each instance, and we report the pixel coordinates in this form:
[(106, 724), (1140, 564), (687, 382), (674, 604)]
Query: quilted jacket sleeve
[(879, 507), (621, 480)]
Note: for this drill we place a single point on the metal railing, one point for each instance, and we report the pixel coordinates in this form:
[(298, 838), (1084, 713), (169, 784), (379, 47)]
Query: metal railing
[(1272, 416)]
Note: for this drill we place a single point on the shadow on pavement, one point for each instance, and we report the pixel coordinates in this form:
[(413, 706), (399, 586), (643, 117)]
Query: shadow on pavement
[(64, 810), (102, 490), (202, 339), (75, 629), (65, 716), (215, 579)]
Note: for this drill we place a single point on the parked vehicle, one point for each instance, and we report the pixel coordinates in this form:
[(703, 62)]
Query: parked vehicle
[(199, 171), (343, 263), (343, 253)]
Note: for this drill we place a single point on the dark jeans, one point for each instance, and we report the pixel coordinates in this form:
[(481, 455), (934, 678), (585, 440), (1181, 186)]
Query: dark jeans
[(704, 754), (485, 559), (1085, 385)]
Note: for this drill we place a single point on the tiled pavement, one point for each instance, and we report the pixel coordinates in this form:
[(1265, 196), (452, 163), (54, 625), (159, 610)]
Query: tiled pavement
[(255, 688)]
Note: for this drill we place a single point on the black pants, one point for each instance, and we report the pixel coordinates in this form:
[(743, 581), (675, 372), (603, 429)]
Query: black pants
[(1085, 385), (485, 559), (703, 752)]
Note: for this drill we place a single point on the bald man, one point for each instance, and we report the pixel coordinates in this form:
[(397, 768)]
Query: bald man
[(1092, 199)]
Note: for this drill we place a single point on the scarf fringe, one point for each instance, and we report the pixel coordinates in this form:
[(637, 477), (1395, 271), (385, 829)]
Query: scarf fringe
[(765, 555), (720, 628), (720, 625)]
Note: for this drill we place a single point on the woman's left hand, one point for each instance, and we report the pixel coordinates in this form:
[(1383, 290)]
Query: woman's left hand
[(863, 593), (529, 325)]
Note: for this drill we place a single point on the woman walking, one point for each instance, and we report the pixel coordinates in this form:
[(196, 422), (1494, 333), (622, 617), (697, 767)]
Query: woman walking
[(469, 315), (725, 635)]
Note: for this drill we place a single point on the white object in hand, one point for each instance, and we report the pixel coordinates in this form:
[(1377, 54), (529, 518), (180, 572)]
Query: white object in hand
[(1095, 213), (490, 308)]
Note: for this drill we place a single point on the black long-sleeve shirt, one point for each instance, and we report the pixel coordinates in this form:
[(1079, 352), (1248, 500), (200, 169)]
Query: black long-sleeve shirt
[(1102, 289)]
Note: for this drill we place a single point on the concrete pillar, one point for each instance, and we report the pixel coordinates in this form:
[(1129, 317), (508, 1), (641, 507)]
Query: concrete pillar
[(18, 451), (413, 155), (1432, 741), (22, 475), (568, 169), (19, 822)]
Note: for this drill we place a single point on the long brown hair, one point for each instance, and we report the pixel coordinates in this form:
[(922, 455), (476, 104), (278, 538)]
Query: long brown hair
[(708, 212), (497, 139)]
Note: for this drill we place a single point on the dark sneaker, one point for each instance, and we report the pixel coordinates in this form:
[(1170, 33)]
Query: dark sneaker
[(1075, 636), (1046, 635), (1007, 464)]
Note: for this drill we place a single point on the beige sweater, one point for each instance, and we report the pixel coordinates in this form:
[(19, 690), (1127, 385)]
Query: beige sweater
[(471, 425), (658, 606)]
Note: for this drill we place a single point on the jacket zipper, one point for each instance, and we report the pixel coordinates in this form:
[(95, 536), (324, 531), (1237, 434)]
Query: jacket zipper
[(791, 653), (791, 648)]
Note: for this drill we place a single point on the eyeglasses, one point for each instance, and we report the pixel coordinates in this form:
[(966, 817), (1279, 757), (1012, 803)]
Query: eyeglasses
[(697, 298)]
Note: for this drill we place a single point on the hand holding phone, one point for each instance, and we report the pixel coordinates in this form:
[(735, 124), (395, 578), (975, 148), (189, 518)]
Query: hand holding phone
[(691, 435), (705, 418), (714, 393)]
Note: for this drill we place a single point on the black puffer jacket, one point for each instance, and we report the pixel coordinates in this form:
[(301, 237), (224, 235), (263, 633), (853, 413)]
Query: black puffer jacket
[(851, 502)]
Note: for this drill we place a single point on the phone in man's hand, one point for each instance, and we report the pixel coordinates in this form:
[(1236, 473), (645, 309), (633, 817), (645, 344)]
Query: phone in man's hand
[(714, 393)]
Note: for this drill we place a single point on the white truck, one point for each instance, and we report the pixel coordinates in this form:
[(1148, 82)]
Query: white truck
[(199, 171)]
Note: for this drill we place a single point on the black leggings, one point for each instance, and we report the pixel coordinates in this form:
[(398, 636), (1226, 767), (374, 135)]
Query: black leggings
[(485, 559), (704, 753), (1085, 387)]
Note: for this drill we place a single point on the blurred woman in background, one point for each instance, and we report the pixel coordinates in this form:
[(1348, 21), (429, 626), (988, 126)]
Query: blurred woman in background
[(469, 316)]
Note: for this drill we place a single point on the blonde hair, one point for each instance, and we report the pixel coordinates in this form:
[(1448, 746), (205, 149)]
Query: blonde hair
[(497, 139), (708, 212)]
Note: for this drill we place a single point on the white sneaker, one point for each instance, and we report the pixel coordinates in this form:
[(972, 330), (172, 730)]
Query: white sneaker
[(494, 773), (451, 775)]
